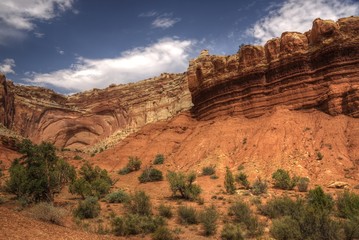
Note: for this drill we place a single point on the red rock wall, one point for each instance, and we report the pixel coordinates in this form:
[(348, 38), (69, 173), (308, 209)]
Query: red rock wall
[(317, 69)]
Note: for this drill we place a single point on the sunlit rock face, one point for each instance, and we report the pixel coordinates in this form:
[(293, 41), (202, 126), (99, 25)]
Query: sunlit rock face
[(318, 69)]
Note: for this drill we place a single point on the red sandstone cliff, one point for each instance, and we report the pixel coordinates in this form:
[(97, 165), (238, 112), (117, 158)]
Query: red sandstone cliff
[(318, 69)]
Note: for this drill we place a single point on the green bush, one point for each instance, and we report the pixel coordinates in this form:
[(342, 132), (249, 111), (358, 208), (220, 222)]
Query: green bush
[(39, 173), (348, 204), (229, 182), (240, 211), (259, 187), (282, 180), (162, 233), (302, 184), (187, 215), (183, 185), (139, 203), (208, 218), (93, 181), (286, 228), (282, 206), (88, 208), (133, 224), (351, 228), (242, 178), (320, 200), (78, 157), (150, 175), (134, 164), (320, 156), (209, 170), (231, 232), (165, 211), (159, 159), (48, 213), (119, 196)]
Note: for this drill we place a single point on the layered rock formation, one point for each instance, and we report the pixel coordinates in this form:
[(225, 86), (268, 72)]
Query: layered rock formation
[(317, 69), (86, 118)]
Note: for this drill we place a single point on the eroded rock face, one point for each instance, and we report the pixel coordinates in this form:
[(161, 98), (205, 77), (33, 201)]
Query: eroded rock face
[(318, 69), (86, 118)]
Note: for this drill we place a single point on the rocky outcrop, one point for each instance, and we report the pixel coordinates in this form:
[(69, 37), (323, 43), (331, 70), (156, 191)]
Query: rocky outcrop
[(86, 118), (317, 69)]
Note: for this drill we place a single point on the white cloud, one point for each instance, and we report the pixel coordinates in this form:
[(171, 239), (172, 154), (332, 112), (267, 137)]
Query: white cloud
[(60, 51), (7, 66), (165, 22), (19, 15), (148, 14), (294, 15), (166, 55), (39, 34)]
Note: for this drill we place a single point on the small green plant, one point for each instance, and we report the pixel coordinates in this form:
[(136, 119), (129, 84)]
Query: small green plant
[(244, 141), (213, 177), (208, 218), (184, 185), (134, 164), (229, 182), (259, 187), (282, 206), (139, 203), (242, 179), (320, 156), (348, 205), (231, 232), (159, 159), (133, 224), (48, 213), (187, 215), (282, 180), (78, 157), (88, 208), (150, 175), (302, 184), (163, 233), (209, 170), (320, 200), (119, 196), (239, 211), (286, 228), (165, 211)]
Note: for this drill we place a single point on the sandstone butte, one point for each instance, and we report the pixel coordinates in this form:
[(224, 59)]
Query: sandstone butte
[(265, 107)]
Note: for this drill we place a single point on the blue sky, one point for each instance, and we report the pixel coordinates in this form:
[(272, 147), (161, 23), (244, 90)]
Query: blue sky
[(76, 45)]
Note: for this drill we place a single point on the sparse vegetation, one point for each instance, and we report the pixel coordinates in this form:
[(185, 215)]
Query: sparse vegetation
[(159, 159), (208, 170), (39, 173), (282, 206), (348, 205), (48, 213), (88, 208), (259, 187), (133, 224), (184, 185), (320, 156), (231, 232), (282, 180), (78, 157), (134, 164), (162, 233), (93, 181), (242, 179), (150, 175), (165, 211), (286, 228), (229, 182), (119, 196), (187, 215), (302, 184), (208, 218), (139, 203), (320, 200)]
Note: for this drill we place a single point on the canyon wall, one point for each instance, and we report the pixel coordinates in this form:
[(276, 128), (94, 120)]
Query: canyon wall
[(86, 118), (318, 69)]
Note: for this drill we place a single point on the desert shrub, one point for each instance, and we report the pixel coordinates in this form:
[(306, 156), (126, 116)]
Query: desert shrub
[(320, 156), (282, 206), (229, 182), (348, 204), (240, 211), (2, 200), (162, 233), (133, 224), (231, 232), (282, 180), (302, 184), (159, 159), (88, 208), (39, 173), (139, 203), (165, 211), (213, 177), (320, 200), (78, 157), (134, 164), (286, 228), (208, 218), (208, 170), (119, 196), (184, 185), (48, 213), (254, 226), (351, 228), (259, 187), (187, 215), (93, 181), (242, 178), (150, 175)]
